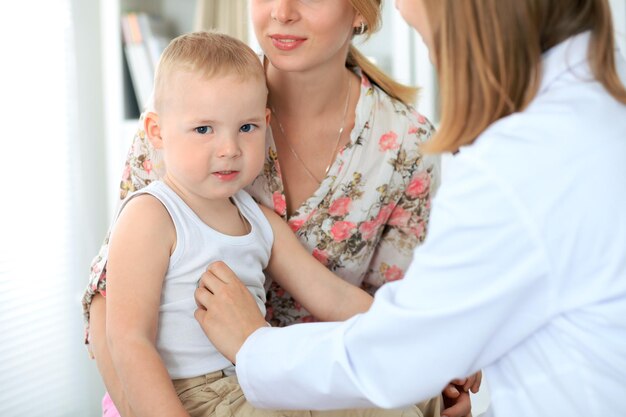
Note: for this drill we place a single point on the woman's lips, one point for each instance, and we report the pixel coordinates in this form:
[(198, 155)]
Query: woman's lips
[(286, 42)]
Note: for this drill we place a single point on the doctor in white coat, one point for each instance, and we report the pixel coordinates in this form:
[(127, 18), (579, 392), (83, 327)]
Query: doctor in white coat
[(529, 229)]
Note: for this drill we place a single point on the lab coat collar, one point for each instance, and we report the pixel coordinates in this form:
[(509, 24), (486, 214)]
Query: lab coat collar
[(565, 57)]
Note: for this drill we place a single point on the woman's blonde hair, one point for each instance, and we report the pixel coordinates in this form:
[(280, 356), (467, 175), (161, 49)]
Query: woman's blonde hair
[(488, 57), (370, 10), (209, 53)]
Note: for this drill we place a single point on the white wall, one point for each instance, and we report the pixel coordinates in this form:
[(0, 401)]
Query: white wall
[(619, 18)]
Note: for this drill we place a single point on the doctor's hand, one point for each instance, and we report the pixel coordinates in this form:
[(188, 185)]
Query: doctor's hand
[(226, 309), (456, 398)]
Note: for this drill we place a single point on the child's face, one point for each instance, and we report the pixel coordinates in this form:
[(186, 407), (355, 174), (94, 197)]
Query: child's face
[(213, 133)]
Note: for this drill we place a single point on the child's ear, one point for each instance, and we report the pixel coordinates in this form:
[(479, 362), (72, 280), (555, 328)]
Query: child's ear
[(268, 116), (153, 129)]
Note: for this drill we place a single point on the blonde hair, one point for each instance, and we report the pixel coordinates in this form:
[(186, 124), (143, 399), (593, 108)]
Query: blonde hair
[(371, 12), (210, 53), (488, 57)]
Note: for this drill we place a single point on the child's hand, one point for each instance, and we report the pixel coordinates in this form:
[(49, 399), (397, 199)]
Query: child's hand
[(226, 310)]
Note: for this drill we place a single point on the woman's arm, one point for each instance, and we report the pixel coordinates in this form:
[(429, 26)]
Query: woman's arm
[(140, 246), (322, 293)]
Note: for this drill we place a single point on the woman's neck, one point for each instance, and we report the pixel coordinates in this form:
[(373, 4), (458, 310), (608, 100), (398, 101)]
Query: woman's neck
[(310, 93)]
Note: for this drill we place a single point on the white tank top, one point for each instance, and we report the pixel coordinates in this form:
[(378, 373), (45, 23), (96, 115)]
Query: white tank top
[(183, 346)]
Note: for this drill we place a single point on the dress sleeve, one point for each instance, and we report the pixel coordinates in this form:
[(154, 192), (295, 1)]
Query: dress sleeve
[(143, 165), (406, 217)]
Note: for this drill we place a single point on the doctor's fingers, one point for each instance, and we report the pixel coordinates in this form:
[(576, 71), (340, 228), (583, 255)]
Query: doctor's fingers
[(222, 271), (211, 281), (202, 296), (475, 386), (451, 391), (461, 406), (472, 382)]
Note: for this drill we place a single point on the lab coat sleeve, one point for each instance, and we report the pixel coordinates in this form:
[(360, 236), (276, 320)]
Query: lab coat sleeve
[(476, 287)]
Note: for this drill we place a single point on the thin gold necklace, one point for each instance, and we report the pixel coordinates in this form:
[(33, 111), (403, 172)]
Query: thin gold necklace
[(332, 155)]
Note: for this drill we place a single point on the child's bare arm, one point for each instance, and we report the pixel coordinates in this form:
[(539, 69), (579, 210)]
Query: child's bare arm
[(322, 293), (139, 252)]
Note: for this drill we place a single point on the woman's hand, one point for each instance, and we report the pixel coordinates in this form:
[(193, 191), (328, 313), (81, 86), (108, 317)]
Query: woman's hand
[(226, 310)]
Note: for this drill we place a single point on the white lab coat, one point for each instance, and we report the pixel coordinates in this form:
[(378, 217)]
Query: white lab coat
[(523, 275)]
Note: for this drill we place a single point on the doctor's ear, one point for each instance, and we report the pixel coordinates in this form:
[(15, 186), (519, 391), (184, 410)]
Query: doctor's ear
[(153, 129)]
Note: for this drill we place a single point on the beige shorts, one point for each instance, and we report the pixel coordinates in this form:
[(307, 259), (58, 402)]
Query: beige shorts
[(216, 395)]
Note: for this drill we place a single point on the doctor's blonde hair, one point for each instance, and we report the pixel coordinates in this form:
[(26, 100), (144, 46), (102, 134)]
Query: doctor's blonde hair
[(488, 57), (209, 53)]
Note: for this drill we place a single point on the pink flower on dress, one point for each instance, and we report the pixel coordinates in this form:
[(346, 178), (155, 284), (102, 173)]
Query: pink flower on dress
[(340, 207), (269, 313), (368, 229), (418, 185), (342, 230), (280, 205), (321, 256), (418, 230), (385, 212), (393, 273), (388, 141), (147, 166), (399, 217), (421, 119), (296, 224), (413, 130), (95, 269), (126, 173)]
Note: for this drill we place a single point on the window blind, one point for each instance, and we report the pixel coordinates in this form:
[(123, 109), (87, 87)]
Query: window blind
[(42, 362)]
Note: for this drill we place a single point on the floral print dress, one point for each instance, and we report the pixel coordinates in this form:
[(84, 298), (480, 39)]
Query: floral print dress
[(364, 220)]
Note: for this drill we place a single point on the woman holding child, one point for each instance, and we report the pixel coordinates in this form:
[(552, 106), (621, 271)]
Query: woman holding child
[(342, 163)]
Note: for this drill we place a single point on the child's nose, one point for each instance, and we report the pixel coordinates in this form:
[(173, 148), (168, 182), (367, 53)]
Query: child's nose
[(229, 148)]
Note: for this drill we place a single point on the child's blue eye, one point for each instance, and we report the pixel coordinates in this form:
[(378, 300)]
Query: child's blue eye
[(203, 130), (247, 128)]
